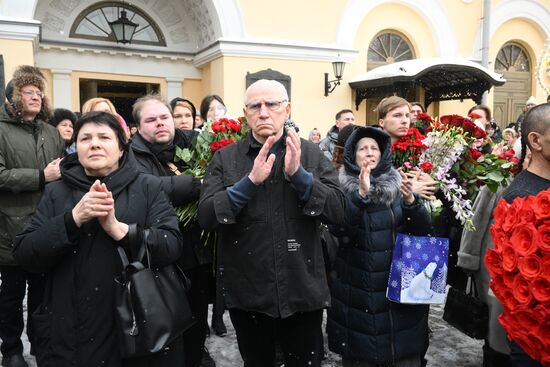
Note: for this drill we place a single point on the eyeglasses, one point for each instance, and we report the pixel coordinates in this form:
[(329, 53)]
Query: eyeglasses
[(217, 108), (30, 93), (270, 105)]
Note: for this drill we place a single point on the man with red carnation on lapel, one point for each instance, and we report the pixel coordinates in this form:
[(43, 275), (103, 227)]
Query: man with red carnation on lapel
[(535, 134)]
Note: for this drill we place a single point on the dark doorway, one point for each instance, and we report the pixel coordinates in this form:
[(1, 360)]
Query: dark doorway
[(121, 93)]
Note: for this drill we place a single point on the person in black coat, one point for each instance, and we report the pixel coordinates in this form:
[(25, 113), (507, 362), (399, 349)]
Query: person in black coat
[(266, 196), (154, 147), (363, 325), (73, 238), (154, 153)]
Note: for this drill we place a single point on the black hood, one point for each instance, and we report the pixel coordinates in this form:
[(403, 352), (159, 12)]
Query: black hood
[(73, 174), (384, 143), (193, 109)]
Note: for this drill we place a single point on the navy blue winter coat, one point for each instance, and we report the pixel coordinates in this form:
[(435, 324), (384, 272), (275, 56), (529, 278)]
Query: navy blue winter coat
[(362, 324)]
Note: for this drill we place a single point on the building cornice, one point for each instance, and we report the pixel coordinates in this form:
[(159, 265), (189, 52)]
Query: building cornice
[(223, 47), (273, 50), (12, 28), (116, 51)]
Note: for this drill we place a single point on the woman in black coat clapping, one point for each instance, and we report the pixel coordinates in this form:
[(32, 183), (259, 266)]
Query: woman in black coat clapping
[(73, 238)]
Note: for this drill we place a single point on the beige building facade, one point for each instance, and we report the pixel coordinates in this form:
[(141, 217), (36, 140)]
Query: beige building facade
[(192, 48)]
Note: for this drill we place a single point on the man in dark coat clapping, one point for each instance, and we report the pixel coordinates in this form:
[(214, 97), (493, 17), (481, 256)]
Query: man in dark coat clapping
[(265, 196)]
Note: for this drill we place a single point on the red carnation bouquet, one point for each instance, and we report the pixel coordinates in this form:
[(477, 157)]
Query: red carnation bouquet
[(519, 266), (407, 150), (213, 137)]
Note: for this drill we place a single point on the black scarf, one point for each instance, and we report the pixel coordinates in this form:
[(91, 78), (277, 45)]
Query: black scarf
[(165, 153)]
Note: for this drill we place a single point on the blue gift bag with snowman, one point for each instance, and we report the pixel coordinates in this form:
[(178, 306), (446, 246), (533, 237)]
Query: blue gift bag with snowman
[(418, 272)]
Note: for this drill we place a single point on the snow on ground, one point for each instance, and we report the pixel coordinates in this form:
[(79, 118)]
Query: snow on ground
[(448, 347)]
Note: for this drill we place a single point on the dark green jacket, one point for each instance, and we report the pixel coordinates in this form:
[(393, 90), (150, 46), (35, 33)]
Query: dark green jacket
[(25, 150)]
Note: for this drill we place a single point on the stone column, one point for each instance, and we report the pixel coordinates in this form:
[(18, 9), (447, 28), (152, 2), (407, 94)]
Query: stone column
[(62, 88), (174, 88)]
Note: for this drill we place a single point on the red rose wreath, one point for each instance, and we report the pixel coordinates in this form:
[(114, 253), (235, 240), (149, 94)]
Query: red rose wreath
[(519, 266)]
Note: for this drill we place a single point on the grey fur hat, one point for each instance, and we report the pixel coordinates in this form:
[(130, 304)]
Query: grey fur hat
[(25, 75)]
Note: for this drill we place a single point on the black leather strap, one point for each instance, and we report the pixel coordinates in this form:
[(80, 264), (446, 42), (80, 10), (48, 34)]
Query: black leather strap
[(123, 257), (135, 239), (143, 250)]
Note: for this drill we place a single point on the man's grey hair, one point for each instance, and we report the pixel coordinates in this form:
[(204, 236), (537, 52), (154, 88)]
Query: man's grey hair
[(272, 84)]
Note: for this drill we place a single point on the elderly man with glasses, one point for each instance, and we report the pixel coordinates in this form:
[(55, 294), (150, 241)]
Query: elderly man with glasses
[(265, 196), (29, 158)]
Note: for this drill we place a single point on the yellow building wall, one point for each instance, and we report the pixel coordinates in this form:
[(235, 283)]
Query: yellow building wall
[(213, 78), (15, 53), (310, 108), (395, 17), (466, 20), (49, 85), (317, 21), (308, 21), (192, 89), (521, 31), (205, 83), (529, 36)]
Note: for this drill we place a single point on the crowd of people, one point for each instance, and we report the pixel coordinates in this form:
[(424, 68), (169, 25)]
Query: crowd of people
[(302, 226)]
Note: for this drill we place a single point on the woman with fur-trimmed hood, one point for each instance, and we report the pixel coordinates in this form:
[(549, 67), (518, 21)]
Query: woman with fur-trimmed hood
[(363, 325)]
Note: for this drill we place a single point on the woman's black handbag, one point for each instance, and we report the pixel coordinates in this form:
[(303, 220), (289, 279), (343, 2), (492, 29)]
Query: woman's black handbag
[(151, 303), (466, 312)]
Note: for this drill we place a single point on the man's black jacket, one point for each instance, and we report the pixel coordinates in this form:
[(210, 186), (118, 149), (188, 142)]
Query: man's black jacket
[(180, 189), (270, 257)]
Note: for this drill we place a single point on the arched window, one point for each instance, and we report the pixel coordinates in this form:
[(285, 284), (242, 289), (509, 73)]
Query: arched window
[(512, 57), (93, 24), (388, 47)]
